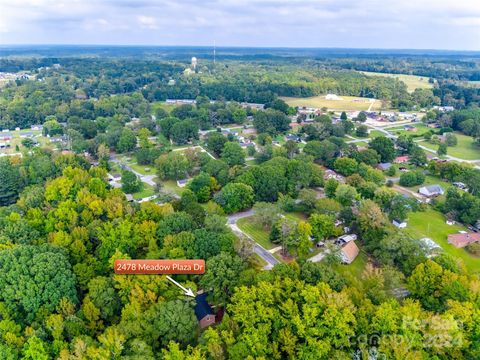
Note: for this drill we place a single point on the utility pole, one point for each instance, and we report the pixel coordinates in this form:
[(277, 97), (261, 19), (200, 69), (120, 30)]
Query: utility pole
[(214, 53)]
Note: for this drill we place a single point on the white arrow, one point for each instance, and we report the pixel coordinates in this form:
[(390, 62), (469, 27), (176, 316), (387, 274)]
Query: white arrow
[(187, 292)]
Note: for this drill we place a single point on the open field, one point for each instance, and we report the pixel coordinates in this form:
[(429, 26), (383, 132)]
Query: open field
[(412, 81), (465, 149), (257, 232), (17, 140), (171, 186), (421, 129), (432, 224), (356, 268), (375, 133), (346, 103), (147, 191)]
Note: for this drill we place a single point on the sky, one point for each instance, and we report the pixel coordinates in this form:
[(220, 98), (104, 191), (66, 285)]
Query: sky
[(389, 24)]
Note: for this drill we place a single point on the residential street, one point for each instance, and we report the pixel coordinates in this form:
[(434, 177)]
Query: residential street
[(259, 250)]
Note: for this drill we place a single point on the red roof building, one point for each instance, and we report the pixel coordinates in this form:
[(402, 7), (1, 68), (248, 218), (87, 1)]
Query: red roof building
[(462, 240), (401, 159)]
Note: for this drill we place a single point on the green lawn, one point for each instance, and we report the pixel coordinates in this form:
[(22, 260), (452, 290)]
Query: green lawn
[(356, 268), (257, 232), (422, 129), (465, 149), (412, 81), (142, 169), (375, 133), (171, 186), (346, 102), (432, 224), (361, 143), (148, 190)]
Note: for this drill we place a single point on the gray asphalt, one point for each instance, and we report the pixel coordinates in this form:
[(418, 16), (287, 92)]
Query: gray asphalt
[(258, 249)]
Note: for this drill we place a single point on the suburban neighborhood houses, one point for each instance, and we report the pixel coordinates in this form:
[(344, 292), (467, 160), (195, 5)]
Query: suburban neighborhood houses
[(197, 203)]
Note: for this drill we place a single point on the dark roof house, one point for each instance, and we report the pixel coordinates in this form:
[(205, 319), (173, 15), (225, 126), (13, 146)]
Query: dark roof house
[(384, 166), (203, 311)]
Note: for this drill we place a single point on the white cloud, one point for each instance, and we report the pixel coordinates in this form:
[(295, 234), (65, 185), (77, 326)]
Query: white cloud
[(316, 23), (147, 22)]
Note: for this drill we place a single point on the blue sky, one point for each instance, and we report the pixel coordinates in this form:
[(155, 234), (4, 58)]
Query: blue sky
[(415, 24)]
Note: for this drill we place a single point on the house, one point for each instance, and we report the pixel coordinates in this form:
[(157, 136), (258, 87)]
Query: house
[(399, 223), (129, 197), (36, 127), (349, 252), (330, 174), (5, 136), (401, 159), (292, 137), (461, 240), (344, 239), (203, 311), (182, 183), (444, 108), (384, 166), (431, 190), (27, 134)]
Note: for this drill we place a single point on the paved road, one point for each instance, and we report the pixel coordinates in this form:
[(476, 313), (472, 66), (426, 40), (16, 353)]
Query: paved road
[(258, 249), (145, 178), (449, 157)]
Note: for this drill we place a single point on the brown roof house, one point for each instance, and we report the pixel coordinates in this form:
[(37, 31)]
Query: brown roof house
[(463, 239), (349, 252), (203, 311)]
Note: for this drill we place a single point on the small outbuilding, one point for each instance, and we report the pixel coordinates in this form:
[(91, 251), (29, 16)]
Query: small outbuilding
[(399, 223)]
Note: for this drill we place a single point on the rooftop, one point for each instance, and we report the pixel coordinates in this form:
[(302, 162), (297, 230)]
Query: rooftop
[(202, 308), (462, 240)]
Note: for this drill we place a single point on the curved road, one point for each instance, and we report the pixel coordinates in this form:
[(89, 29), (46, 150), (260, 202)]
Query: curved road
[(258, 249)]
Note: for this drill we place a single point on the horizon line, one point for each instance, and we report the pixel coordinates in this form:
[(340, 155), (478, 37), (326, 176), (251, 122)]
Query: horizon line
[(236, 47)]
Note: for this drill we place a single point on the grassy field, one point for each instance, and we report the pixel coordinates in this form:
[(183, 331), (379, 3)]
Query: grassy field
[(465, 149), (43, 141), (375, 133), (422, 129), (356, 268), (257, 232), (432, 224), (361, 144), (148, 190), (412, 81), (171, 186), (347, 103)]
